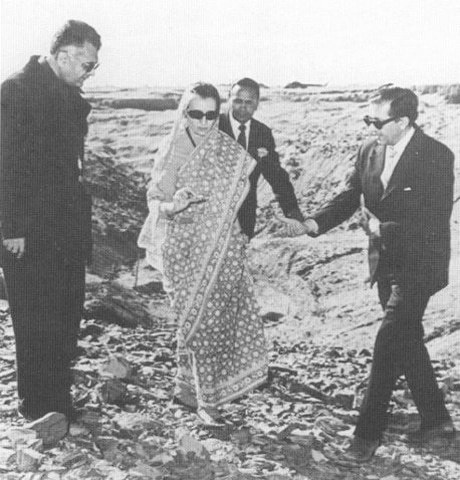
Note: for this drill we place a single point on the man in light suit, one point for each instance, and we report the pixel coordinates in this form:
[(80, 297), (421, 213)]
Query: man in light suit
[(258, 140), (405, 179)]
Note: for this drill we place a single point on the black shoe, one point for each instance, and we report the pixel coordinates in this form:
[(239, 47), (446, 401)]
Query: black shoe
[(360, 451), (74, 414), (438, 434), (211, 417)]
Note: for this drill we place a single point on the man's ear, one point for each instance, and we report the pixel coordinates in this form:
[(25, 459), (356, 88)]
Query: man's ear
[(404, 122)]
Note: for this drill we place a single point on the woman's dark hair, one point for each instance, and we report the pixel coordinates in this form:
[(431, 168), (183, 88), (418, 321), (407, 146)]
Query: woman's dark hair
[(206, 90), (74, 32), (403, 102)]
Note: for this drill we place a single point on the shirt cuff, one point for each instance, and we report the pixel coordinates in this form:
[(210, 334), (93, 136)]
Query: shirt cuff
[(295, 215), (312, 225)]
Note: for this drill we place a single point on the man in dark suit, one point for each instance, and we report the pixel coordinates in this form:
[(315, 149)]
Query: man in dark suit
[(258, 140), (405, 179), (45, 214)]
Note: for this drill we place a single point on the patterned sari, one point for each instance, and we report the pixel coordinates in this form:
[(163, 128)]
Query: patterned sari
[(221, 346)]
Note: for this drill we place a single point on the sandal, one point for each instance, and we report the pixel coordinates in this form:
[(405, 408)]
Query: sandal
[(211, 417)]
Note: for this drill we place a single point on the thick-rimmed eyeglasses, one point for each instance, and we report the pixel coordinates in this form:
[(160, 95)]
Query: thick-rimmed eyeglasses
[(378, 124), (198, 114), (87, 66)]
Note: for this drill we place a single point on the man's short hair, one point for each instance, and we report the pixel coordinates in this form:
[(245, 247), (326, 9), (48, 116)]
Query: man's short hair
[(206, 90), (249, 84), (74, 32), (403, 102)]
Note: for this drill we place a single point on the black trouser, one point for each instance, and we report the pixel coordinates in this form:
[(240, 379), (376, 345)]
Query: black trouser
[(399, 350), (46, 300)]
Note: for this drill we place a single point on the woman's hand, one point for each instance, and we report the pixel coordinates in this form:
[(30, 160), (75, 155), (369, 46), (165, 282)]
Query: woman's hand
[(294, 228), (182, 199)]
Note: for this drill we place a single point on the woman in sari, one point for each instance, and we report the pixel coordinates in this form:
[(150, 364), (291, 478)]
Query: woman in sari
[(193, 237)]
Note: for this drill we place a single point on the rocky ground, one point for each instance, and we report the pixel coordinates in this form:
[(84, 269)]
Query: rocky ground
[(320, 317)]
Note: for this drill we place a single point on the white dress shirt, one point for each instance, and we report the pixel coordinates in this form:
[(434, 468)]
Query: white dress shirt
[(393, 154), (235, 124)]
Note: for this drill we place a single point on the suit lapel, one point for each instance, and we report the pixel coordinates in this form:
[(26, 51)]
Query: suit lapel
[(404, 165)]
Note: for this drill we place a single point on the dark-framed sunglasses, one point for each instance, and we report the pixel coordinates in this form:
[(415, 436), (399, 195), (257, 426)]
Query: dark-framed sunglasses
[(198, 114), (378, 124), (87, 66), (90, 66)]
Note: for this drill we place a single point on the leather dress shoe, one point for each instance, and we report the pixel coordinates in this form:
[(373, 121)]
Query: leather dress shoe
[(360, 451), (432, 435)]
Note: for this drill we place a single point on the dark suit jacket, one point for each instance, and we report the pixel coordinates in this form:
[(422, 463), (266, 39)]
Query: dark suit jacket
[(260, 136), (43, 124), (414, 210)]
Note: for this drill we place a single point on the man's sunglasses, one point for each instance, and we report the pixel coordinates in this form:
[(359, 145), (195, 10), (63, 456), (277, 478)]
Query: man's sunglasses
[(198, 114), (87, 66), (378, 124)]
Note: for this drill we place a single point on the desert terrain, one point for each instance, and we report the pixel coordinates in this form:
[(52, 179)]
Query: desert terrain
[(320, 315)]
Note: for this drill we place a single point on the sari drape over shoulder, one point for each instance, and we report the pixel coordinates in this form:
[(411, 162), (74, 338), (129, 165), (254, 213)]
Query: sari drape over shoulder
[(221, 346)]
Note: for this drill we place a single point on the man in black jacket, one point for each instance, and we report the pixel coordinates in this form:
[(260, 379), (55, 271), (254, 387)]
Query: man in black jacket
[(258, 140), (45, 214), (403, 179)]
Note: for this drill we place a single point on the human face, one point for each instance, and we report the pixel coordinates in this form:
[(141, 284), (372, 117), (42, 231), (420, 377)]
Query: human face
[(77, 64), (202, 126), (243, 102), (391, 132)]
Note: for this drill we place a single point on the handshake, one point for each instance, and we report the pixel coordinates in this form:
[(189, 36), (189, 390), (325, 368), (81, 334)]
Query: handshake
[(294, 228)]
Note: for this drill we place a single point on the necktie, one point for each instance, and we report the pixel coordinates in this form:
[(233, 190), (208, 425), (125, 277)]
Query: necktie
[(388, 166), (242, 136)]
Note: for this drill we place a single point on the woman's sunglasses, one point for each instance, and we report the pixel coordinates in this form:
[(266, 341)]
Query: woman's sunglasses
[(198, 114), (378, 124)]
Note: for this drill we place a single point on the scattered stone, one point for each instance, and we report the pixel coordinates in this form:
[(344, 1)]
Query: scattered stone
[(27, 459), (146, 471), (36, 445), (116, 366), (113, 391), (6, 457), (108, 447), (132, 422), (318, 456), (72, 459), (188, 444), (50, 428), (19, 435), (77, 430), (7, 375), (161, 459), (345, 398), (296, 455)]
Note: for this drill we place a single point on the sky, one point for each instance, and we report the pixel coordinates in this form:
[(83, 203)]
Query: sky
[(176, 42)]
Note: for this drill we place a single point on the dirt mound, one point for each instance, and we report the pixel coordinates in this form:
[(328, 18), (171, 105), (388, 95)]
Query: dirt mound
[(148, 104)]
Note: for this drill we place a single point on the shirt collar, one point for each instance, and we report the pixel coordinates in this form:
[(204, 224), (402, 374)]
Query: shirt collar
[(235, 124), (399, 147)]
